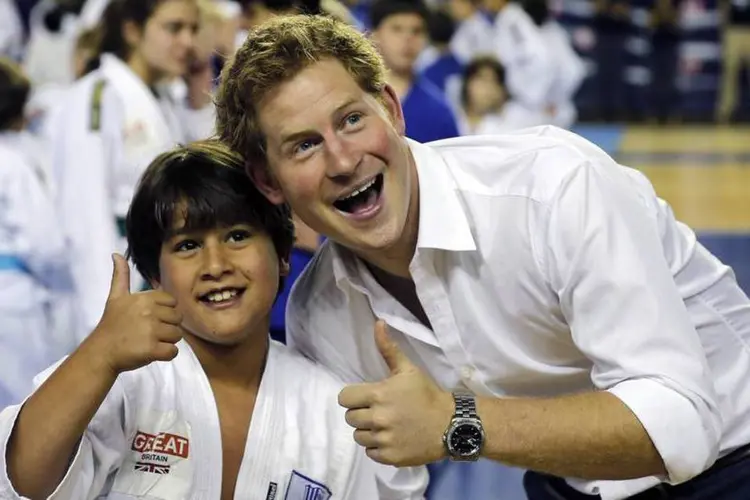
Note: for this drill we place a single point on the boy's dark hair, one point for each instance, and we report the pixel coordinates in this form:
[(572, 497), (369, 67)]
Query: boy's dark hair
[(474, 67), (14, 92), (380, 10), (441, 27), (209, 181)]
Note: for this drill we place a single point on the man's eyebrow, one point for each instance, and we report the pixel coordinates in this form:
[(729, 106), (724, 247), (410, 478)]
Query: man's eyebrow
[(295, 136)]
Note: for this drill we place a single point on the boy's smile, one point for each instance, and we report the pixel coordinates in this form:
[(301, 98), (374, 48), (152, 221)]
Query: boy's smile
[(222, 297), (224, 279)]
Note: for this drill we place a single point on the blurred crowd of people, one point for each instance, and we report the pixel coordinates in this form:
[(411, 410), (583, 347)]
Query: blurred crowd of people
[(92, 90)]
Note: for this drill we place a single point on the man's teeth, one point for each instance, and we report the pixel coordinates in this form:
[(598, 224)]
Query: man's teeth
[(221, 296), (360, 190)]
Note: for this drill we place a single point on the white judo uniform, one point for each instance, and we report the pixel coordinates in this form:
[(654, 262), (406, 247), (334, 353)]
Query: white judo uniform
[(48, 59), (11, 31), (570, 72), (33, 270), (473, 38), (529, 64), (102, 139), (157, 436), (513, 116)]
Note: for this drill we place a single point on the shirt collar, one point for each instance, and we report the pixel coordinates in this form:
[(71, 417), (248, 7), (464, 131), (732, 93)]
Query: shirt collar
[(443, 224)]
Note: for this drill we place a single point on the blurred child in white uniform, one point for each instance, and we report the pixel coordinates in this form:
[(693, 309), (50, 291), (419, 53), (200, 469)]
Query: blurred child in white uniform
[(53, 30), (486, 104), (518, 44), (227, 413), (33, 258), (474, 32), (570, 69), (114, 122), (11, 31)]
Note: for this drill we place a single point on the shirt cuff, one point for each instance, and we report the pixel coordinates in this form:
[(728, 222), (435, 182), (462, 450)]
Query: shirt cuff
[(682, 435)]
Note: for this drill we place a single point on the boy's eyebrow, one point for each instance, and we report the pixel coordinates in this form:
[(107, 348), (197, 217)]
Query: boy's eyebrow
[(184, 230)]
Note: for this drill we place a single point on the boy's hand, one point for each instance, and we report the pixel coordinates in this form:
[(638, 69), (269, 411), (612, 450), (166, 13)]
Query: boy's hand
[(136, 328)]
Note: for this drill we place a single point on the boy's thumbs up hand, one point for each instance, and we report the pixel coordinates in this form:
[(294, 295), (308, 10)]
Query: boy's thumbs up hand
[(136, 328)]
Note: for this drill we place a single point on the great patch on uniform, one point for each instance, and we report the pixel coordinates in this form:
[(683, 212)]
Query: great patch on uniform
[(159, 459), (303, 488)]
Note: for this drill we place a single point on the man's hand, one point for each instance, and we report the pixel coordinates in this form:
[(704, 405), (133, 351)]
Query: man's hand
[(136, 328), (400, 420)]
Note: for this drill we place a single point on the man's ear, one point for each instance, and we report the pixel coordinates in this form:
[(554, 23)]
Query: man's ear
[(392, 105), (266, 183)]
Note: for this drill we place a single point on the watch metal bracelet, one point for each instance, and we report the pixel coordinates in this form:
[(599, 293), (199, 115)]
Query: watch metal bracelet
[(465, 406)]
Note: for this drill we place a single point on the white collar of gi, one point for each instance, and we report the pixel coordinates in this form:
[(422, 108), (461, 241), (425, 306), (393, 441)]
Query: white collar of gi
[(443, 224)]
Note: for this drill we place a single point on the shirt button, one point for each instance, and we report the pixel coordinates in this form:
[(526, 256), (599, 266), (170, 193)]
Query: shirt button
[(467, 372)]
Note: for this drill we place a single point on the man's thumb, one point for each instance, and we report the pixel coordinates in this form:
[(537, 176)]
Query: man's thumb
[(120, 277), (394, 358)]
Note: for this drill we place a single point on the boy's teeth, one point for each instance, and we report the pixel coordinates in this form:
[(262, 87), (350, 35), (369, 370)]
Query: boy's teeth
[(221, 296)]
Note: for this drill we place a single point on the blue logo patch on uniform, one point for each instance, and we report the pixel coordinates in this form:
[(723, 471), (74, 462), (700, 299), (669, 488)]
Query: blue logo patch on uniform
[(303, 488)]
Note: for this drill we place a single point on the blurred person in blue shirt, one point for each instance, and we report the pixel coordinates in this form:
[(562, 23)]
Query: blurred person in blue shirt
[(400, 33), (445, 70)]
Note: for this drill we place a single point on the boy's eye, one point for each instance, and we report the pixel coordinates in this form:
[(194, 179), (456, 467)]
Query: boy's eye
[(238, 235), (185, 246)]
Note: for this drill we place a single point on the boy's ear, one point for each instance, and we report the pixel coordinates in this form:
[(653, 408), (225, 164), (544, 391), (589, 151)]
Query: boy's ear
[(266, 183), (284, 267)]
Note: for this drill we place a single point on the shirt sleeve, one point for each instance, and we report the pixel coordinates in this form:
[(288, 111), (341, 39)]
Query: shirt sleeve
[(606, 263), (100, 451)]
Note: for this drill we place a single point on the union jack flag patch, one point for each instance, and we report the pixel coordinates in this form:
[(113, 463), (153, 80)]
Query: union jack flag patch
[(152, 468)]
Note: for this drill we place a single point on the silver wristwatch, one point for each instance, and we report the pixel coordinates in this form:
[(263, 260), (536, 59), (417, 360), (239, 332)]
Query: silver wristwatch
[(465, 435)]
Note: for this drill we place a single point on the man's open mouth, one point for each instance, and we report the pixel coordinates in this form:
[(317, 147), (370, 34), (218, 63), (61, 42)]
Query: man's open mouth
[(361, 199)]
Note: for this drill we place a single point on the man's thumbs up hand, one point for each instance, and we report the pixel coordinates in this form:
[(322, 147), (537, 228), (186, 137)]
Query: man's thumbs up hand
[(400, 420), (396, 360)]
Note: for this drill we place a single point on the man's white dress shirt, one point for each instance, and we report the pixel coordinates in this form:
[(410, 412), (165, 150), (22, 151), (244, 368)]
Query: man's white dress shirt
[(545, 268)]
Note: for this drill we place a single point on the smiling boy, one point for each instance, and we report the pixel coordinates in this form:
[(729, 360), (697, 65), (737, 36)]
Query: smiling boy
[(229, 413)]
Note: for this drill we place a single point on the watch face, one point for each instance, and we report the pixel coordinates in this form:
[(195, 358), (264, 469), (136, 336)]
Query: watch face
[(466, 439)]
